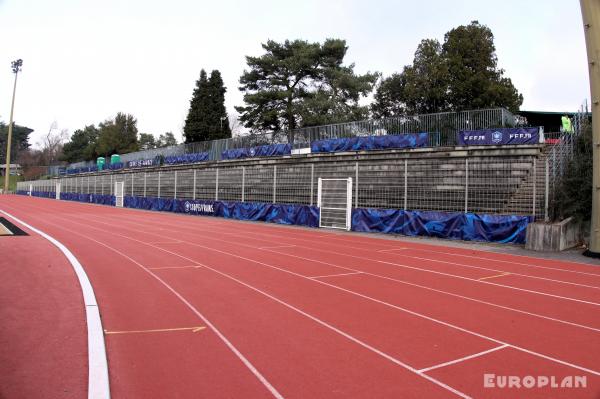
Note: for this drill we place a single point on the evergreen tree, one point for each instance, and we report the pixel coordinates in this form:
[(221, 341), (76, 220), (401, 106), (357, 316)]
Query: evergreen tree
[(166, 140), (207, 118), (19, 141), (118, 136), (146, 141), (82, 145)]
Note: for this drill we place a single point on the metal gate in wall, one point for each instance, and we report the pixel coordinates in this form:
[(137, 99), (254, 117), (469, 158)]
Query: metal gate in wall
[(334, 199), (119, 188)]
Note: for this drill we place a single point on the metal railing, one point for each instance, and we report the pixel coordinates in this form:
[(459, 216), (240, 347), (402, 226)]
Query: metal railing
[(442, 126), (486, 185)]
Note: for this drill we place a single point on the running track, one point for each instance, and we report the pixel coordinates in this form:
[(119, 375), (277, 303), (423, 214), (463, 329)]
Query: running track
[(200, 307)]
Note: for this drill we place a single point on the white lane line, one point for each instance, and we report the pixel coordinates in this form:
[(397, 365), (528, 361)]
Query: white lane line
[(174, 267), (166, 242), (395, 280), (450, 325), (98, 381), (462, 359), (337, 275), (240, 356)]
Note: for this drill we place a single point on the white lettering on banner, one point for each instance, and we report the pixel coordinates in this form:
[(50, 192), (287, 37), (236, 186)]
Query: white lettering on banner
[(204, 208)]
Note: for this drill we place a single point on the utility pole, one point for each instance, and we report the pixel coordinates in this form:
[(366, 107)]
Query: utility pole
[(16, 68), (590, 11)]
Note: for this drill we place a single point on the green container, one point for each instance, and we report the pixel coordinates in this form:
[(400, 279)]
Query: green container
[(100, 163), (115, 158)]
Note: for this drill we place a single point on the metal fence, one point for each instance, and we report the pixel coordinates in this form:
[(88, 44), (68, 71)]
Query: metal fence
[(442, 126), (515, 185)]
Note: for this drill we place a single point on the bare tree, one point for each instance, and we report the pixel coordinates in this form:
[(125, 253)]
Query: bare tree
[(51, 144)]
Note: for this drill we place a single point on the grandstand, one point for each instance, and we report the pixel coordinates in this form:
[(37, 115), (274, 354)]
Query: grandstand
[(419, 166)]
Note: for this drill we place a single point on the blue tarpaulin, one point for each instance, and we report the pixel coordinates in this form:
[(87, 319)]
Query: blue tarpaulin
[(412, 140), (275, 213), (451, 225), (187, 158), (260, 151), (500, 136)]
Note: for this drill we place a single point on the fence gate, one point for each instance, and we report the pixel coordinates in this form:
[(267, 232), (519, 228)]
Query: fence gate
[(334, 198), (119, 188), (58, 190), (30, 190)]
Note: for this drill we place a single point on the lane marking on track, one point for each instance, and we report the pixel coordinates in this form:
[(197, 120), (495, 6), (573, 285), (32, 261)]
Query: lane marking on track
[(496, 276), (166, 242), (175, 267), (390, 279), (277, 246), (98, 382), (337, 275), (392, 249), (462, 359), (192, 329)]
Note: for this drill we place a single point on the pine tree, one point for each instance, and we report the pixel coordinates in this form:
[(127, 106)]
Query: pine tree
[(207, 118)]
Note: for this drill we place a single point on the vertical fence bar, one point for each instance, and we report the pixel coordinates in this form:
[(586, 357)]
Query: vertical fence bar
[(158, 189), (132, 184), (547, 188), (175, 186), (194, 186), (274, 183), (466, 184), (312, 182), (356, 186), (405, 184), (217, 186), (243, 182), (534, 187), (144, 184), (111, 185)]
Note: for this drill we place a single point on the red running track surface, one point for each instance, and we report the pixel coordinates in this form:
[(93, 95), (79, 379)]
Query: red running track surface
[(206, 307)]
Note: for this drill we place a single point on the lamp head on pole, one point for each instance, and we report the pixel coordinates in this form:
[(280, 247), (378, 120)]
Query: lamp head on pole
[(16, 65)]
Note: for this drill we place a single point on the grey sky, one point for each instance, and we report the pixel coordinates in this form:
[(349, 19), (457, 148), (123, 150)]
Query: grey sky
[(86, 60)]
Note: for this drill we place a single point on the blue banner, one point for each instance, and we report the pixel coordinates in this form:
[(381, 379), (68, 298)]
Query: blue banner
[(187, 158), (272, 150), (500, 136), (302, 215), (366, 143), (115, 166), (143, 163), (450, 225)]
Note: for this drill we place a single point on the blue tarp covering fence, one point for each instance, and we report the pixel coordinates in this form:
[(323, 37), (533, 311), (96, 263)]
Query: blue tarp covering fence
[(272, 150), (454, 226), (411, 140)]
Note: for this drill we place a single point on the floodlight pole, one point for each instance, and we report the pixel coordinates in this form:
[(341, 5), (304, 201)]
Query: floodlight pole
[(16, 67), (590, 11)]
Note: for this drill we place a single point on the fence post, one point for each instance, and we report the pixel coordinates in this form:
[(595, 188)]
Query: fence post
[(175, 186), (95, 181), (546, 216), (217, 186), (243, 181), (111, 188), (312, 182), (144, 184), (158, 189), (466, 184), (534, 187), (356, 187), (132, 184), (274, 183), (405, 184), (194, 185)]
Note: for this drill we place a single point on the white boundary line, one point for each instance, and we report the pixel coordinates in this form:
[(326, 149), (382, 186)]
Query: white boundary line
[(462, 359), (337, 275), (240, 356), (98, 381), (450, 325), (278, 246)]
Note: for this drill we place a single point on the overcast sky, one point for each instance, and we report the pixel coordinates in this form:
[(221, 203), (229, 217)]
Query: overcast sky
[(86, 60)]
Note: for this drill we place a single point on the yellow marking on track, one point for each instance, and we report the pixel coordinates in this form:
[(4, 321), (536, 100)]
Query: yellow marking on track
[(192, 329), (497, 275)]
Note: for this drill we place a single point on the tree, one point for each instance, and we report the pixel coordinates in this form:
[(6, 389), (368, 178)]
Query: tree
[(146, 141), (166, 140), (475, 81), (118, 135), (82, 145), (51, 145), (207, 117), (461, 74), (19, 140), (297, 83)]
